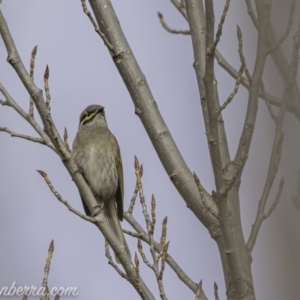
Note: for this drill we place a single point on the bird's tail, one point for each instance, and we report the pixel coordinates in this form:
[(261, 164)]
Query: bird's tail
[(113, 220)]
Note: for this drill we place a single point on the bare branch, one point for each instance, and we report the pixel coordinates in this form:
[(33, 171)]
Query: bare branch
[(267, 100), (23, 136), (111, 262), (137, 272), (150, 229), (147, 110), (133, 198), (279, 61), (277, 145), (63, 201), (273, 206), (241, 53), (12, 103), (66, 141), (255, 83), (32, 61), (141, 251), (45, 294), (199, 291), (251, 13), (220, 27), (235, 90), (167, 28), (46, 87), (57, 297), (141, 233), (291, 107), (216, 291), (213, 209), (153, 213), (101, 34), (180, 7)]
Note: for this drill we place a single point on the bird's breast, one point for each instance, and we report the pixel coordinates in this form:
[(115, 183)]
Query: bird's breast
[(99, 170)]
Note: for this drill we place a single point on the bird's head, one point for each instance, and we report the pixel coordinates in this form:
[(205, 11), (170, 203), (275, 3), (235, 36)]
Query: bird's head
[(92, 115)]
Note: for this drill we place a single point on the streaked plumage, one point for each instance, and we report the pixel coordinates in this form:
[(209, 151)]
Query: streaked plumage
[(97, 155)]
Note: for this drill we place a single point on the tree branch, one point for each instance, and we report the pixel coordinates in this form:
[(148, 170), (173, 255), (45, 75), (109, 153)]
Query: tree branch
[(29, 118), (23, 136), (276, 150), (84, 190), (235, 90), (279, 61), (167, 28), (147, 110), (45, 290), (141, 233), (261, 55), (63, 201)]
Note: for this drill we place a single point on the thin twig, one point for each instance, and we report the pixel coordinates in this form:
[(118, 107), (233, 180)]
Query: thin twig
[(267, 100), (280, 62), (220, 27), (199, 290), (150, 229), (63, 201), (163, 236), (97, 29), (216, 291), (23, 136), (142, 234), (277, 146), (167, 28), (45, 294), (111, 262), (138, 169), (251, 13), (272, 99), (241, 53), (153, 212), (66, 140), (32, 61), (46, 86), (133, 234), (9, 101), (235, 90), (133, 198), (57, 297), (180, 8), (142, 253), (163, 260), (273, 206), (211, 209)]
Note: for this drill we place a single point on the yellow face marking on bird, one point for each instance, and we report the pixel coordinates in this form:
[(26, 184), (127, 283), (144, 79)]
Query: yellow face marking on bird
[(88, 117)]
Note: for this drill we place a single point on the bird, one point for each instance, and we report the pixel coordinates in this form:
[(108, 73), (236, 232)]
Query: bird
[(97, 155)]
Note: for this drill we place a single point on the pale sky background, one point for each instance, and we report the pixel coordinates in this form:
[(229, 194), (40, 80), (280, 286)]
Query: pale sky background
[(82, 73)]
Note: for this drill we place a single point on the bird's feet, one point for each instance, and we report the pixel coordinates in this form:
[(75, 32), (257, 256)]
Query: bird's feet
[(99, 209)]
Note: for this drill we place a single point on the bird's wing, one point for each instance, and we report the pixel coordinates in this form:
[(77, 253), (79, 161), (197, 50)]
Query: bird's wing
[(85, 207), (120, 190)]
